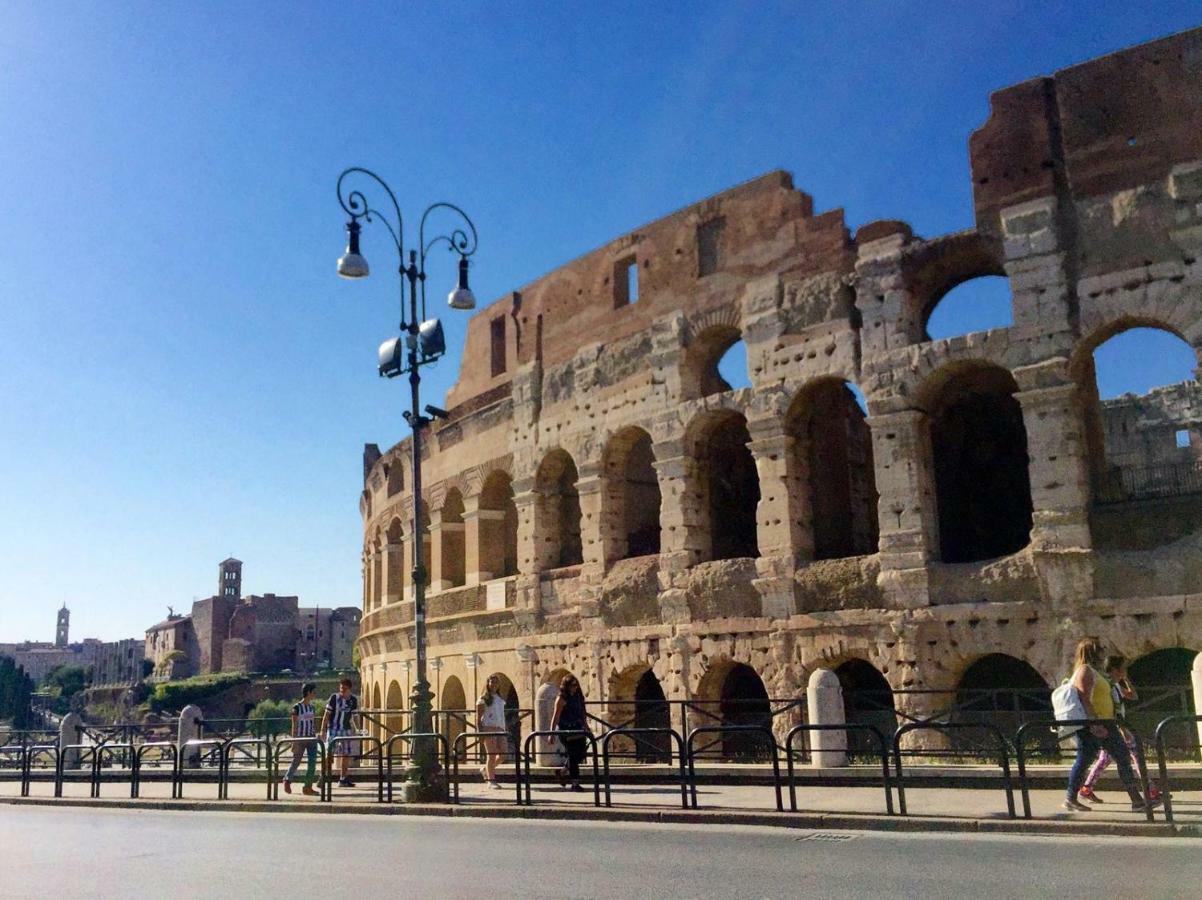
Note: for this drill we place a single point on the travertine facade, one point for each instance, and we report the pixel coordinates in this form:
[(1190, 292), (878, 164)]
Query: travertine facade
[(601, 502)]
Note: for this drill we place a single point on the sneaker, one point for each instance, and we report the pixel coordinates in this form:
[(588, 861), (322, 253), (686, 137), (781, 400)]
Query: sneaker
[(1088, 794), (495, 785), (1075, 806), (346, 782), (287, 786), (576, 786), (308, 791), (1141, 806)]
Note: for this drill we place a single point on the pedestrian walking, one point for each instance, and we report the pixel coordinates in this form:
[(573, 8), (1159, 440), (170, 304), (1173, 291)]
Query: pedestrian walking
[(490, 719), (339, 722), (1121, 691), (1094, 692), (569, 717), (304, 734)]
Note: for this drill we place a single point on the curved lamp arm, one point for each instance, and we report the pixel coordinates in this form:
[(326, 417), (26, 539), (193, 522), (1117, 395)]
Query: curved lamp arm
[(355, 204)]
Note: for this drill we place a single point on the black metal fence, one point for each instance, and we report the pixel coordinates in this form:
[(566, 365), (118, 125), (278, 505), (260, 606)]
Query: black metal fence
[(1123, 483)]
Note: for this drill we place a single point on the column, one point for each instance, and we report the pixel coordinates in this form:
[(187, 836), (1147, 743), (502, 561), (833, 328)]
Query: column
[(483, 542), (779, 515), (438, 578), (394, 571), (533, 554), (684, 520), (589, 489), (824, 703)]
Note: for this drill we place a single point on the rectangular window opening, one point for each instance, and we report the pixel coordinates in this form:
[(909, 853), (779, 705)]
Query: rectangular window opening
[(709, 246), (497, 335), (1182, 437), (626, 282)]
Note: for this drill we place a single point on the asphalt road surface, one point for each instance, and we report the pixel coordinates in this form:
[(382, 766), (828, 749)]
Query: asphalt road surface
[(143, 853)]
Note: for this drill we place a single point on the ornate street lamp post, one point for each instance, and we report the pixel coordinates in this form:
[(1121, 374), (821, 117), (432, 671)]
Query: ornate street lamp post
[(419, 344)]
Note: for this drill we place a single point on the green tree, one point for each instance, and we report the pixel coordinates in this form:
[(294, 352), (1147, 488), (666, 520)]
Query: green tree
[(67, 681), (270, 717)]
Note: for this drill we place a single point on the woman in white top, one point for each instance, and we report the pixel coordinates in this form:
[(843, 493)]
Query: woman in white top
[(490, 718)]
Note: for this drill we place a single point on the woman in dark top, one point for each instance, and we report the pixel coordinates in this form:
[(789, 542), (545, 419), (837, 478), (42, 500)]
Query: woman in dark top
[(569, 716)]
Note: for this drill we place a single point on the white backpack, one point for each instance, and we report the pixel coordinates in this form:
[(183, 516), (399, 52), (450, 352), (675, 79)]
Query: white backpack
[(1067, 706)]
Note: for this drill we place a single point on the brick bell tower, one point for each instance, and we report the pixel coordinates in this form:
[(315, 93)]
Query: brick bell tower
[(63, 627), (229, 579)]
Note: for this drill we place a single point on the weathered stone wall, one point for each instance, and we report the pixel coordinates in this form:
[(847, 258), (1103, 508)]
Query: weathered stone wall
[(1088, 198)]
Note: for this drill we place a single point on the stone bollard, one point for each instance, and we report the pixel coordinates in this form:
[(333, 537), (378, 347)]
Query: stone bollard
[(1196, 678), (189, 730), (70, 731), (546, 752), (824, 701)]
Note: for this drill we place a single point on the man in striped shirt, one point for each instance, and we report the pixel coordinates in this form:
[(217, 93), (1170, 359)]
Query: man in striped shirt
[(303, 727), (338, 722)]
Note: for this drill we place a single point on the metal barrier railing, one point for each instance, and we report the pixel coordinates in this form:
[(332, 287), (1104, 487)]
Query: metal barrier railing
[(637, 734), (761, 730), (352, 742), (201, 745), (273, 768), (853, 727), (1020, 741), (1166, 789), (32, 753), (223, 774), (82, 751), (135, 777), (98, 760), (409, 738), (1003, 747), (462, 738), (525, 756)]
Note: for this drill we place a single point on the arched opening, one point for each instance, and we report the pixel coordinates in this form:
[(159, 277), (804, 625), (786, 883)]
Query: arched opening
[(498, 551), (453, 712), (979, 445), (731, 693), (394, 562), (728, 485), (636, 700), (557, 532), (832, 455), (978, 304), (377, 703), (1001, 690), (513, 718), (868, 700), (714, 362), (1162, 679), (451, 539), (394, 700), (1143, 422), (632, 494), (396, 478)]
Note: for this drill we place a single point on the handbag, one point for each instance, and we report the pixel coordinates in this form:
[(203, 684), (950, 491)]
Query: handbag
[(1067, 706)]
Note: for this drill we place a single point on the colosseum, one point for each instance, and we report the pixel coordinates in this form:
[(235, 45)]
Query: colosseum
[(922, 517)]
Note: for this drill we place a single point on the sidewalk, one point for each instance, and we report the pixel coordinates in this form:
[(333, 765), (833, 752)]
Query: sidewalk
[(928, 808)]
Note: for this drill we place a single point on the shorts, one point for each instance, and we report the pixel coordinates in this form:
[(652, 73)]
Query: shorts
[(343, 748)]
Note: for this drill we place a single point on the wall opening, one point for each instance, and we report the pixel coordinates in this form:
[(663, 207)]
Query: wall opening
[(498, 528), (709, 246), (744, 701), (1002, 690), (558, 506), (626, 282), (982, 484), (728, 485), (395, 701), (497, 345), (632, 493), (1162, 679), (513, 719), (867, 699), (979, 304), (714, 362), (832, 454), (396, 479), (453, 714), (452, 536), (394, 562)]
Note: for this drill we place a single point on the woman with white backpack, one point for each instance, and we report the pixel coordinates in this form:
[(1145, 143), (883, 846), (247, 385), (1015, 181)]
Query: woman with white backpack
[(1093, 694)]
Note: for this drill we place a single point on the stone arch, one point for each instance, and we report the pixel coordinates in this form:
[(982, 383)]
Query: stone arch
[(396, 478), (699, 376), (1002, 690), (557, 512), (832, 459), (394, 563), (498, 550), (631, 495), (939, 267), (979, 460), (1163, 680), (867, 699), (513, 720), (733, 693), (1133, 440), (451, 533), (454, 713), (394, 699), (726, 484), (637, 700)]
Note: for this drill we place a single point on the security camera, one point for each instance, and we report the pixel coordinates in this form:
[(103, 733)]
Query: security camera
[(437, 412)]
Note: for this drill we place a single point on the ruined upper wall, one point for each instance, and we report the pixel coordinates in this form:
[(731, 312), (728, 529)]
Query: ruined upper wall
[(689, 260), (1117, 124)]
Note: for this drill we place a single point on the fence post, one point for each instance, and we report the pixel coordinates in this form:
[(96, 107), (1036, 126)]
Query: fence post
[(70, 733), (824, 699), (189, 730)]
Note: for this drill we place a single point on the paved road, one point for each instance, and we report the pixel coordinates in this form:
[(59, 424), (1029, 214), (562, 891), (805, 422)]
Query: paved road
[(119, 853)]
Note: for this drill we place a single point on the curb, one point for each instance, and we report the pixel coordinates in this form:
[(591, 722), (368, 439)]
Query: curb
[(799, 820)]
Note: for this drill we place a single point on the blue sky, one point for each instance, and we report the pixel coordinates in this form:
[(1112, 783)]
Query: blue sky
[(183, 378)]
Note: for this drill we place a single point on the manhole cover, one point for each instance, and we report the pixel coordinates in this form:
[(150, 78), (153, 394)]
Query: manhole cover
[(831, 837)]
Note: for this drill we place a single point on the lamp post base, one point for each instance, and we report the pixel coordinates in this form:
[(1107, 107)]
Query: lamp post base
[(432, 789)]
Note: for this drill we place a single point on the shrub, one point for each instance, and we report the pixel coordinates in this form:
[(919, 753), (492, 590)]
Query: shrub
[(175, 695)]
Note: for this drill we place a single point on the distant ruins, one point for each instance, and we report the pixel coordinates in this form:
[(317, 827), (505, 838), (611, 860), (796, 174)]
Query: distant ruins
[(601, 502)]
